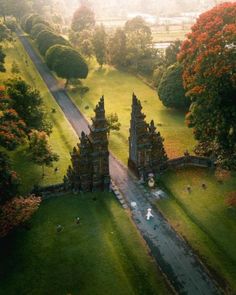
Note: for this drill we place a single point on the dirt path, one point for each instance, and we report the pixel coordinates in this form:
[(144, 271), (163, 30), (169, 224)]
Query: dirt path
[(183, 269)]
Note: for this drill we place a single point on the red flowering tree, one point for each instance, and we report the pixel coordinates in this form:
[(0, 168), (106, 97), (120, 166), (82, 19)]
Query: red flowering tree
[(17, 211), (231, 199), (12, 127), (209, 61)]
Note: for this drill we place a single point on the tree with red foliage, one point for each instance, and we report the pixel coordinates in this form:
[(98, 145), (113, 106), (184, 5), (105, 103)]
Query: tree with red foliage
[(83, 19), (231, 199), (209, 61), (12, 127), (17, 211)]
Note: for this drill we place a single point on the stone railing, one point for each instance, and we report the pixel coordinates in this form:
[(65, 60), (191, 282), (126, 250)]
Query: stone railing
[(190, 161), (46, 191)]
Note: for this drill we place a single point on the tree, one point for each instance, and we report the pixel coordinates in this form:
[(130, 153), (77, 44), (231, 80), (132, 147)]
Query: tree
[(12, 127), (47, 39), (9, 8), (30, 21), (171, 53), (82, 41), (15, 68), (83, 19), (16, 212), (208, 57), (157, 75), (113, 123), (85, 44), (67, 63), (139, 39), (117, 48), (9, 181), (2, 60), (171, 91), (27, 102), (231, 200), (38, 28), (5, 33), (99, 44), (41, 151)]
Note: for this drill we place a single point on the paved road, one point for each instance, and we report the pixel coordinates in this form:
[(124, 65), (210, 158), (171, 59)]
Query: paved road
[(176, 259)]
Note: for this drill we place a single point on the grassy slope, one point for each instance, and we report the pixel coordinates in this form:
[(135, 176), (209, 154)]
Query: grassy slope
[(203, 218), (102, 255), (63, 137), (117, 87)]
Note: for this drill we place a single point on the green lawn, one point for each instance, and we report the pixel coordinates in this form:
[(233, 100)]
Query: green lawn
[(63, 137), (104, 254), (117, 87), (203, 218)]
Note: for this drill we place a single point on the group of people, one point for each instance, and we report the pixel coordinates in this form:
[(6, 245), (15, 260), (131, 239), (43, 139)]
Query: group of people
[(60, 227), (189, 188)]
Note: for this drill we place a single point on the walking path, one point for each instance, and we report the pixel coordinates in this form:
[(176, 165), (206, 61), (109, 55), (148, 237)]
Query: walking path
[(176, 259)]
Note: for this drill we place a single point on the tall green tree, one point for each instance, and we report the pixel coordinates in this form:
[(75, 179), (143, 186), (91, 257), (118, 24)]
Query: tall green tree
[(67, 63), (100, 44), (2, 60), (40, 150), (209, 61), (12, 8), (171, 91), (171, 53), (117, 49), (141, 56), (47, 39), (83, 19), (27, 102), (12, 127)]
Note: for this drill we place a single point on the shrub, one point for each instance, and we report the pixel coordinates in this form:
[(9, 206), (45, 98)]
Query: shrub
[(47, 39), (171, 91)]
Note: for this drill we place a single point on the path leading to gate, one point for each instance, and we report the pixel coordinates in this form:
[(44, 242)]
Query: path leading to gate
[(176, 259)]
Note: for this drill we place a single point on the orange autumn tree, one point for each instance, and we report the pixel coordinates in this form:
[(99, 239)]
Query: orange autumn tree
[(208, 56), (17, 211), (12, 127)]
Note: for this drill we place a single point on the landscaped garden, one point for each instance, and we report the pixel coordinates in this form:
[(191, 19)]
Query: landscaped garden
[(54, 253), (103, 254), (117, 88), (203, 217), (62, 139)]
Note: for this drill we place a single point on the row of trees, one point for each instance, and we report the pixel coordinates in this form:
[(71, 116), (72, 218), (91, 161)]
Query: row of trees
[(203, 75), (65, 61), (129, 47)]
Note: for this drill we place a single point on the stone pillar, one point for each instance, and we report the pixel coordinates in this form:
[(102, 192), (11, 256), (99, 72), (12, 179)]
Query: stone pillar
[(139, 143), (100, 154)]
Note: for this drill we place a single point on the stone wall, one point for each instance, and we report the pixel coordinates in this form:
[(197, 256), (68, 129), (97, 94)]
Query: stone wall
[(194, 161)]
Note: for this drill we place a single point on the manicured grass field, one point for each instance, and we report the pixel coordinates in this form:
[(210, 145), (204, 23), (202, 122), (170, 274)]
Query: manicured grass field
[(63, 137), (104, 254), (203, 218), (117, 87)]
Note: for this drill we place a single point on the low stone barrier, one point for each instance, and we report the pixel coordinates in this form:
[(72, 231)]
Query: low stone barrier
[(46, 191), (190, 161)]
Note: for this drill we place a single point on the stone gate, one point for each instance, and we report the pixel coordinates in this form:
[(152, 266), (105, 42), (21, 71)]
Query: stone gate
[(146, 149), (90, 159)]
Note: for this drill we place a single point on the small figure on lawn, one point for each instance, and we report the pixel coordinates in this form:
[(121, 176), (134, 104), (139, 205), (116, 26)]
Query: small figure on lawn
[(149, 213), (59, 228), (77, 220), (56, 169), (204, 186), (189, 188)]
